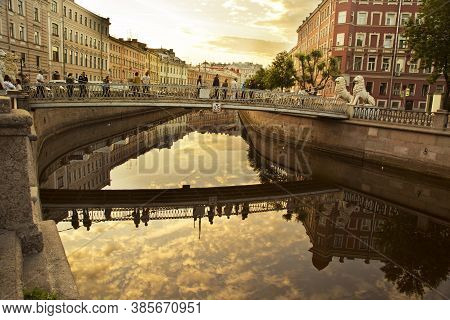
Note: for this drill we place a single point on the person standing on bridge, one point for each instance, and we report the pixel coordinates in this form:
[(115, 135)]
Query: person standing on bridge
[(146, 82), (234, 89), (225, 89), (216, 85), (70, 81), (40, 84), (137, 83), (82, 81), (199, 85), (106, 87)]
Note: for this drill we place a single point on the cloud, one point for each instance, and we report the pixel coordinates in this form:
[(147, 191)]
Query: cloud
[(249, 46)]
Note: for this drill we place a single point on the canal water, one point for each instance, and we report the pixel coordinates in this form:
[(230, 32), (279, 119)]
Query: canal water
[(372, 233)]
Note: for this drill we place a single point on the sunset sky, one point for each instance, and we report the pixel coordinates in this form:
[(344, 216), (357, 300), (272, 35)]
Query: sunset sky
[(213, 30)]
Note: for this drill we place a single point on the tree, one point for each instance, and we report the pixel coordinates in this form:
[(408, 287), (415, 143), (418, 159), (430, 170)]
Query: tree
[(315, 71), (259, 80), (428, 38), (281, 73)]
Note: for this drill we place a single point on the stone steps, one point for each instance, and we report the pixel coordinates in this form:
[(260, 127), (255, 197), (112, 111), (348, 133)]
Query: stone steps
[(11, 266), (50, 270)]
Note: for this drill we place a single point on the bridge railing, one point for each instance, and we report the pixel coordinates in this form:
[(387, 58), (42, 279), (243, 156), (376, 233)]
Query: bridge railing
[(410, 118), (131, 92)]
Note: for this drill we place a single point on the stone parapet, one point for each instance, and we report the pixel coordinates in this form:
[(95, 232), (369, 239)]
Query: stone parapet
[(440, 120), (18, 211)]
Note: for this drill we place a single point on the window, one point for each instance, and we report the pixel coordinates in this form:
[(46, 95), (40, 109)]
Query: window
[(340, 39), (362, 18), (425, 90), (338, 241), (65, 56), (55, 29), (70, 13), (54, 6), (65, 33), (404, 19), (391, 19), (381, 104), (76, 58), (360, 39), (396, 104), (76, 16), (366, 224), (342, 17), (386, 66), (383, 88), (357, 64), (372, 63), (369, 87), (20, 7), (413, 66), (364, 243), (60, 182), (38, 61), (36, 14), (402, 42), (422, 105), (22, 33), (10, 5), (400, 66), (55, 54), (397, 88), (11, 30), (374, 40), (37, 38), (388, 41)]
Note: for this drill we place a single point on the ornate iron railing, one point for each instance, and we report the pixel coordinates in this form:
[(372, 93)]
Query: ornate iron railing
[(411, 118), (130, 92)]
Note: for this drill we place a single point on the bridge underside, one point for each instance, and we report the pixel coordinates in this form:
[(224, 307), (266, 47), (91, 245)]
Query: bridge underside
[(190, 104), (68, 199)]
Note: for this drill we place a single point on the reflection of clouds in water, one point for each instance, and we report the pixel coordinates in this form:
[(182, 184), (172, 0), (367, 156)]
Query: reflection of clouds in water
[(192, 160), (263, 257)]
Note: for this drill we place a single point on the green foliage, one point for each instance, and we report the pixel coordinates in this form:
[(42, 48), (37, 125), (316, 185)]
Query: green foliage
[(315, 71), (281, 74), (258, 81), (39, 294), (428, 38)]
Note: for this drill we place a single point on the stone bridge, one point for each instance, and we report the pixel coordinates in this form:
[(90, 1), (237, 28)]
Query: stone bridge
[(119, 95)]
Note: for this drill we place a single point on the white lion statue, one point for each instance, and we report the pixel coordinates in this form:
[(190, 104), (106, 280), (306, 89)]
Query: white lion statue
[(360, 93), (341, 90)]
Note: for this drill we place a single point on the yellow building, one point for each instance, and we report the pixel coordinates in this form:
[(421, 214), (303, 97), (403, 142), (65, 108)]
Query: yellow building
[(171, 69), (78, 40), (126, 58), (23, 31), (153, 66)]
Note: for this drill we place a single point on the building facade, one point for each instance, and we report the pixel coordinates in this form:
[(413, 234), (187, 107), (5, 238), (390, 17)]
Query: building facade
[(208, 73), (366, 39), (78, 40), (172, 70), (24, 32), (153, 66), (127, 57)]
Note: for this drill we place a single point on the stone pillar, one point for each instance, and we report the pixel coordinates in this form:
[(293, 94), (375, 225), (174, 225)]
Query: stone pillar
[(440, 119), (19, 208)]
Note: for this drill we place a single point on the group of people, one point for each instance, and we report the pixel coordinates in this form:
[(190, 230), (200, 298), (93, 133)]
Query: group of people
[(221, 92), (9, 84)]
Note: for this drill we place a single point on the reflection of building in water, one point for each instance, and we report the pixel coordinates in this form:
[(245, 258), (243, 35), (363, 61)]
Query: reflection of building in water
[(350, 229), (89, 168)]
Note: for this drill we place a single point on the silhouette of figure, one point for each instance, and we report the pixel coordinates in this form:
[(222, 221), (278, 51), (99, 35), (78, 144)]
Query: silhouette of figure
[(87, 222), (219, 211), (137, 217), (211, 214), (198, 212), (245, 211), (146, 217), (108, 212), (228, 210), (75, 220)]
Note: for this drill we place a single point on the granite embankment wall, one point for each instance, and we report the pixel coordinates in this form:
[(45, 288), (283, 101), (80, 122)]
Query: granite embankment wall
[(422, 150)]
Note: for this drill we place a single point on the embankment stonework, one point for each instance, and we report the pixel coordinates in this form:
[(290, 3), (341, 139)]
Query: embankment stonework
[(425, 151)]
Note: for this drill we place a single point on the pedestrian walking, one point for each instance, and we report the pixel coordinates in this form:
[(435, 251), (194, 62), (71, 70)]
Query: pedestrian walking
[(82, 81), (19, 85), (146, 82), (216, 85), (40, 80), (70, 81)]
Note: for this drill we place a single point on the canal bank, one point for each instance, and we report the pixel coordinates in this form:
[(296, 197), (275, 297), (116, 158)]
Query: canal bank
[(422, 150)]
